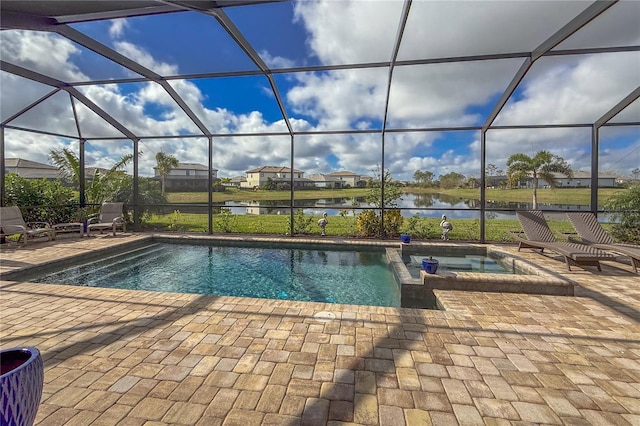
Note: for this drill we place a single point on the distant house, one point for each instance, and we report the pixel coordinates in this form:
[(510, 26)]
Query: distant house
[(326, 181), (188, 177), (235, 182), (351, 179), (259, 177), (30, 169), (582, 179), (496, 181)]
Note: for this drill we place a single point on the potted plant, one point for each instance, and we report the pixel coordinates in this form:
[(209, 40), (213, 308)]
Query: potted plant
[(430, 265), (21, 380)]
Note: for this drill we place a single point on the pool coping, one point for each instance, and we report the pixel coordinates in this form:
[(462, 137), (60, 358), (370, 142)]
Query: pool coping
[(539, 280)]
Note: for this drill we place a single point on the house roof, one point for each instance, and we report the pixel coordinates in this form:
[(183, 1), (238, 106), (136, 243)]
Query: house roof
[(319, 177), (21, 162), (585, 175), (273, 169), (342, 173), (191, 166)]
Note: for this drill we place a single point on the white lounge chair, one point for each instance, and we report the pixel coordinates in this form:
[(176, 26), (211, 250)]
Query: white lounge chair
[(12, 222), (110, 217)]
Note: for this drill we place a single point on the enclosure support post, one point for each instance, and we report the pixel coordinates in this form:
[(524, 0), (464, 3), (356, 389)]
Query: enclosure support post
[(2, 168), (136, 198), (595, 143), (81, 177), (210, 191), (483, 183), (291, 181)]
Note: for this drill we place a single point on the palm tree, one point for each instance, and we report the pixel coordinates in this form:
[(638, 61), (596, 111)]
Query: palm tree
[(68, 164), (541, 166), (164, 165), (103, 185)]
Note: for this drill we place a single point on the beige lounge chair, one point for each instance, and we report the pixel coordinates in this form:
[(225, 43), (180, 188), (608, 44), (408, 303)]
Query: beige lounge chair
[(591, 232), (539, 236), (110, 217), (12, 222)]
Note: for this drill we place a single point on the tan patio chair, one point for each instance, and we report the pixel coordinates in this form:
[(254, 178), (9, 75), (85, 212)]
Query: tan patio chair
[(591, 232), (12, 222), (110, 217), (539, 236)]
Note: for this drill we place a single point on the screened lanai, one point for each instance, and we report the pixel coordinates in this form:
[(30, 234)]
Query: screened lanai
[(324, 88)]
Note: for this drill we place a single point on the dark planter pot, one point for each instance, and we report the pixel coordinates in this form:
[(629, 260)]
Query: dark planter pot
[(430, 265), (21, 380), (405, 238)]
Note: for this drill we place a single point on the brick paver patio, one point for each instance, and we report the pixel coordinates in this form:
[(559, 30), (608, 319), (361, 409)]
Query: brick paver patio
[(146, 358)]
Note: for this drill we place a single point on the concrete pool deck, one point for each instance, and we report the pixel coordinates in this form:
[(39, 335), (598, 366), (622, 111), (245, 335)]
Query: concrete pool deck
[(144, 358)]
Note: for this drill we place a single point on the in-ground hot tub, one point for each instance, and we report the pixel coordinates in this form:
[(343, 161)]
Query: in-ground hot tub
[(469, 267)]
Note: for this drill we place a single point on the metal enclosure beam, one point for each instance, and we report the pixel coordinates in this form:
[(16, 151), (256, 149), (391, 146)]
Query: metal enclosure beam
[(2, 169), (99, 48), (136, 188), (590, 13), (595, 142), (406, 8), (587, 15)]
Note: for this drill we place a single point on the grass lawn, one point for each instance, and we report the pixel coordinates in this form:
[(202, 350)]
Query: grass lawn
[(427, 228), (497, 230)]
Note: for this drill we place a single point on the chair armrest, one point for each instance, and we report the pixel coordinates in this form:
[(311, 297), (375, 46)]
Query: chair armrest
[(13, 229), (571, 237), (93, 218), (517, 234), (38, 225)]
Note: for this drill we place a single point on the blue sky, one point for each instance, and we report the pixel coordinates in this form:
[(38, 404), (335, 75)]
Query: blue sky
[(557, 90)]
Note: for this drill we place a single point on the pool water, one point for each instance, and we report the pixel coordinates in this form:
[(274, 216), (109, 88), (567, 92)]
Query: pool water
[(463, 263), (317, 275)]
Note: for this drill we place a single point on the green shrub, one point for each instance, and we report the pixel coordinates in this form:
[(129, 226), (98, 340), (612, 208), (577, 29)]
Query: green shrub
[(368, 224), (392, 222), (40, 200), (625, 211), (301, 223), (416, 227), (226, 221)]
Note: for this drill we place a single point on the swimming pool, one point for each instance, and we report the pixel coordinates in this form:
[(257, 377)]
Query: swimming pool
[(316, 274), (469, 267), (481, 264)]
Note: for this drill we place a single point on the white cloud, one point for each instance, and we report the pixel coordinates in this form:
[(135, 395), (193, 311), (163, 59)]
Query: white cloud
[(558, 90), (46, 53), (275, 62), (117, 28)]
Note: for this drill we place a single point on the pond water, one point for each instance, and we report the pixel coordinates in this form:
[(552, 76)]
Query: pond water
[(438, 204)]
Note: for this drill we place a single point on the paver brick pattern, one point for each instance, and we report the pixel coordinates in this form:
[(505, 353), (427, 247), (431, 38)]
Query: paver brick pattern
[(137, 357)]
